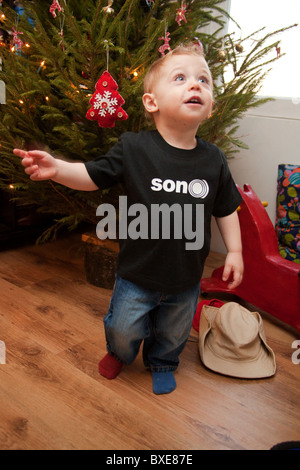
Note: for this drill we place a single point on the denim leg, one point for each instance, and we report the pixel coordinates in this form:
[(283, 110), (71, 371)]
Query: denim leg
[(172, 323), (127, 321), (151, 338), (163, 321)]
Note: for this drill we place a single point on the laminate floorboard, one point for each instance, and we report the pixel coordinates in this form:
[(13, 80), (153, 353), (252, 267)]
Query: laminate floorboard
[(53, 398)]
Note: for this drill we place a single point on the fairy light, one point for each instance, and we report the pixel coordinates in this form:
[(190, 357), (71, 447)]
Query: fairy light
[(136, 73), (41, 66), (47, 98), (21, 101)]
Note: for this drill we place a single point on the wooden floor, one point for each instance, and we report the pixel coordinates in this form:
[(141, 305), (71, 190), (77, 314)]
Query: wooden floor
[(52, 397)]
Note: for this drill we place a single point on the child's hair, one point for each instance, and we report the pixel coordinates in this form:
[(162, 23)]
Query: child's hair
[(153, 72)]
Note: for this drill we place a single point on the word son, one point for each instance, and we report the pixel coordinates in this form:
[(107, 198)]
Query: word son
[(163, 222)]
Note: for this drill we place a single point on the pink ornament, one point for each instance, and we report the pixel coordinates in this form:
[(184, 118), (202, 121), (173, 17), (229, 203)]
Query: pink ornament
[(198, 43), (278, 51), (165, 46), (17, 41), (180, 16), (55, 6)]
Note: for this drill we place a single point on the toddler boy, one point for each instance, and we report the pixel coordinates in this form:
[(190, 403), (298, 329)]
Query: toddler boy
[(187, 181)]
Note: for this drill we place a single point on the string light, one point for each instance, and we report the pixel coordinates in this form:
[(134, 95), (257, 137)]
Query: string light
[(41, 66), (21, 101), (136, 73)]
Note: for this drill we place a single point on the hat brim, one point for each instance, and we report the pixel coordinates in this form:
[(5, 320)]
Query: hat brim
[(262, 366)]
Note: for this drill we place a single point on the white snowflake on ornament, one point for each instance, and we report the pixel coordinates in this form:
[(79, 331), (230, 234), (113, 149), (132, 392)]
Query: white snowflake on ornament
[(105, 103)]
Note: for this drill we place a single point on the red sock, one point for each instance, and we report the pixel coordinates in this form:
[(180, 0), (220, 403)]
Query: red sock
[(110, 367)]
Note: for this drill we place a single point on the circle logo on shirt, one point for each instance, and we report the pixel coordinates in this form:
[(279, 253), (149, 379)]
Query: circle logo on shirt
[(198, 188)]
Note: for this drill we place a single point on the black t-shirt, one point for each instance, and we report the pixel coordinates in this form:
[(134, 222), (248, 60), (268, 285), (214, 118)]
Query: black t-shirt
[(179, 190)]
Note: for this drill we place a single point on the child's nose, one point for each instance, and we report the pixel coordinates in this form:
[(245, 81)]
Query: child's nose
[(194, 84)]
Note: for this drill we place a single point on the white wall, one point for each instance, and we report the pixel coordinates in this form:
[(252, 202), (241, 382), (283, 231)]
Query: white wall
[(272, 133)]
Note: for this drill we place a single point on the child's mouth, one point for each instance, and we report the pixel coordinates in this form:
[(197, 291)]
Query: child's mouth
[(194, 100)]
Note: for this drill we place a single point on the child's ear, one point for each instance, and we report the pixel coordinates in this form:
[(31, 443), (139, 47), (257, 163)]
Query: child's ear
[(149, 103)]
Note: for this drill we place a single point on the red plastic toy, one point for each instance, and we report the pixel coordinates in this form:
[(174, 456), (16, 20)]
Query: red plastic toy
[(270, 282)]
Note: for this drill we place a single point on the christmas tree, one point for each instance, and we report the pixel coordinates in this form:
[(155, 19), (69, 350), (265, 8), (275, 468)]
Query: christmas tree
[(53, 54)]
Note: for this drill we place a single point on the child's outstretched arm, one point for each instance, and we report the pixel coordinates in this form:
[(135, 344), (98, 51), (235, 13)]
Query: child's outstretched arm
[(42, 166), (230, 230)]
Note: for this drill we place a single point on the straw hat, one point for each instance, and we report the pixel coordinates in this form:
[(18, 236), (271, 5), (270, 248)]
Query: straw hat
[(232, 342)]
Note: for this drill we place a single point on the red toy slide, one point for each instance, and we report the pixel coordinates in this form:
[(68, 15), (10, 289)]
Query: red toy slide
[(270, 282)]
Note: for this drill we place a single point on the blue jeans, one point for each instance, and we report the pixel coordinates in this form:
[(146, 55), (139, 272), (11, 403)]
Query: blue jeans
[(163, 322)]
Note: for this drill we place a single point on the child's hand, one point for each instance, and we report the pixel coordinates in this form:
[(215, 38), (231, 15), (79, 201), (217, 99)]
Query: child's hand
[(233, 265), (38, 165)]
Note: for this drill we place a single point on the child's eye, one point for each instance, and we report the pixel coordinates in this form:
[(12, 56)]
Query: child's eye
[(179, 77), (203, 79)]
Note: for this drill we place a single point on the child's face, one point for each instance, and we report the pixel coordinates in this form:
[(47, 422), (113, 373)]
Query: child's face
[(183, 92)]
